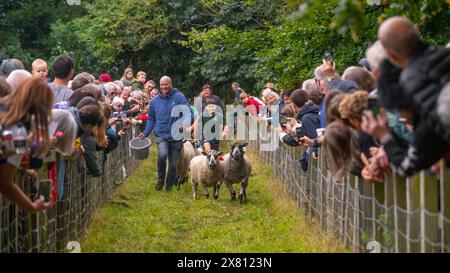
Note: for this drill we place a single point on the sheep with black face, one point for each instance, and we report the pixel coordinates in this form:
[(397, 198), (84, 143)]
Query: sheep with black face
[(206, 171), (237, 169)]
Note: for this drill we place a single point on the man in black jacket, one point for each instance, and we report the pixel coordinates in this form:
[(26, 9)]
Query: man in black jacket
[(425, 70)]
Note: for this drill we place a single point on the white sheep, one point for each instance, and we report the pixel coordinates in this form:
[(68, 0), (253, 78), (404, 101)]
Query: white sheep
[(206, 171), (188, 152), (237, 168)]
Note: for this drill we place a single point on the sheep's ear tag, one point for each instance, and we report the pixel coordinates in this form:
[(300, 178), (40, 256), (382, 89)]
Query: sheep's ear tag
[(220, 158), (244, 149)]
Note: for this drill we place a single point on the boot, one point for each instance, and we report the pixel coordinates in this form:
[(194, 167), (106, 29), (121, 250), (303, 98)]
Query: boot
[(159, 185)]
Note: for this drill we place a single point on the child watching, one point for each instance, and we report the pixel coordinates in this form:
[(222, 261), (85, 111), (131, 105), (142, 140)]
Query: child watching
[(39, 68)]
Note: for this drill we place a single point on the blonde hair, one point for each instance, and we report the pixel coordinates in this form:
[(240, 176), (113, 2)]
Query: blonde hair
[(127, 70), (140, 73), (353, 105), (37, 62)]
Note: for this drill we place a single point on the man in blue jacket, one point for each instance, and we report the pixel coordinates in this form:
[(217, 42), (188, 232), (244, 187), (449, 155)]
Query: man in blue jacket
[(166, 129)]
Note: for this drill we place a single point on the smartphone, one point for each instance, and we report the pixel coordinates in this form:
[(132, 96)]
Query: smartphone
[(328, 57), (375, 110), (45, 187), (374, 107)]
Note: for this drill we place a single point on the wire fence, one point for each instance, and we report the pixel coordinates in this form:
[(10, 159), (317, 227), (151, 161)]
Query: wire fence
[(67, 220), (400, 215)]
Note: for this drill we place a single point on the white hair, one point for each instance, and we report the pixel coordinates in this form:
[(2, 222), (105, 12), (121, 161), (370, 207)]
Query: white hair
[(270, 93), (266, 92), (135, 94), (310, 85), (110, 85), (443, 103), (318, 73), (16, 78), (118, 101), (375, 54), (120, 84)]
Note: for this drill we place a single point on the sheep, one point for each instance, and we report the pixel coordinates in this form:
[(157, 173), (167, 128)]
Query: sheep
[(206, 171), (237, 168), (188, 152)]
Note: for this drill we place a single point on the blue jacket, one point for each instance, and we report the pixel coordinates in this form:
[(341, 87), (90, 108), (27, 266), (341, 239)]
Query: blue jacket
[(159, 114), (310, 119)]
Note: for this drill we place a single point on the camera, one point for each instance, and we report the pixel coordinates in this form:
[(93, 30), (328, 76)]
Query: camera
[(299, 132), (45, 188), (374, 106), (14, 140)]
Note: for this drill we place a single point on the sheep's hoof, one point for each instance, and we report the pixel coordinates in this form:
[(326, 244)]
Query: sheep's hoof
[(207, 196), (216, 196), (233, 197)]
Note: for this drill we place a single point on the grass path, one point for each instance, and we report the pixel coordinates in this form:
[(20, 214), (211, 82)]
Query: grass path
[(174, 222)]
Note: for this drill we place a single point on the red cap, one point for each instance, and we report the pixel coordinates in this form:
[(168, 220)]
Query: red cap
[(105, 78)]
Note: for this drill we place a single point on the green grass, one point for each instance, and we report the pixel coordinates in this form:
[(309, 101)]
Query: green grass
[(160, 221)]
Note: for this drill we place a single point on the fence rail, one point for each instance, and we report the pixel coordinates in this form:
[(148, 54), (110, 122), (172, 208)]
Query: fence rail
[(51, 230), (400, 215)]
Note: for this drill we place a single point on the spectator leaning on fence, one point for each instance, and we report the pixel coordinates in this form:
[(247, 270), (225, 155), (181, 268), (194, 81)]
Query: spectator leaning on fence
[(424, 72), (33, 98)]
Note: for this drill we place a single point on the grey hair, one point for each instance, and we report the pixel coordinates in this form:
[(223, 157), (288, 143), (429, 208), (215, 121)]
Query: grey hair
[(109, 85), (318, 73), (272, 94), (136, 94), (375, 54), (16, 78), (443, 103), (310, 85), (120, 84), (66, 123)]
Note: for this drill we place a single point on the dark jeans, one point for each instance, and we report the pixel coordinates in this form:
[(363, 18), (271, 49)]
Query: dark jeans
[(168, 150)]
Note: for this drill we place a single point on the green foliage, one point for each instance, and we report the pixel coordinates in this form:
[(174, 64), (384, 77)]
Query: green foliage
[(209, 41), (25, 27)]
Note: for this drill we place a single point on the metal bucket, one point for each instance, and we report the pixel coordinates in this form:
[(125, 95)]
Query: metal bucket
[(140, 147)]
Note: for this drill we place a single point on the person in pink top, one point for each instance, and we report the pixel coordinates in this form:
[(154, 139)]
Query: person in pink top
[(250, 103)]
